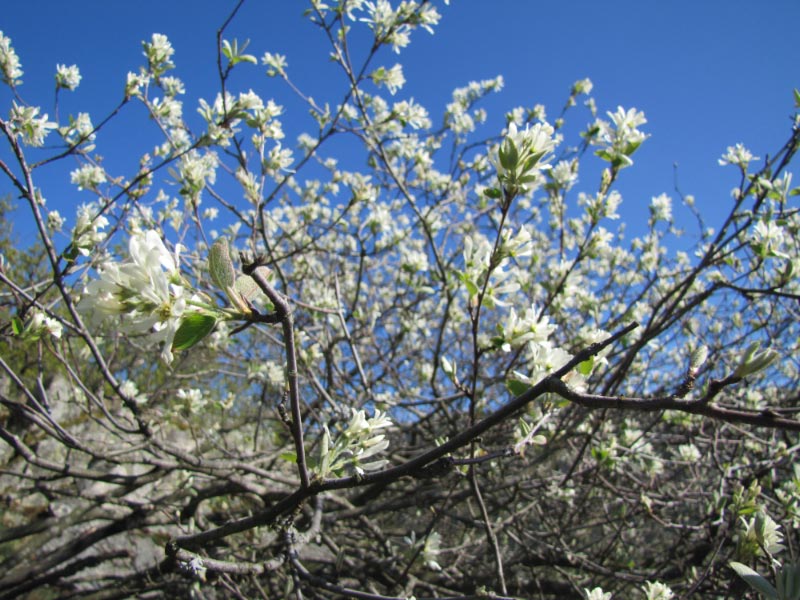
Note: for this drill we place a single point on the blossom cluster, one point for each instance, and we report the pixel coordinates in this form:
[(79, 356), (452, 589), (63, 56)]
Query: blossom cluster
[(357, 442), (146, 292)]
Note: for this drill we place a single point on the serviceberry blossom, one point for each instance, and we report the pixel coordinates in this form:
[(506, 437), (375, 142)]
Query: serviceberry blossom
[(86, 234), (88, 177), (761, 533), (661, 209), (130, 390), (768, 238), (620, 138), (582, 86), (530, 327), (357, 442), (276, 64), (522, 155), (135, 83), (737, 155), (68, 78), (26, 124), (657, 591), (41, 324), (193, 399), (146, 292), (158, 52), (172, 86), (54, 220), (597, 594), (10, 67), (79, 131), (392, 78)]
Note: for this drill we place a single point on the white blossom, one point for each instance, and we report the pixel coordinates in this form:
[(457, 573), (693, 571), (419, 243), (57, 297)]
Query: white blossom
[(87, 231), (597, 594), (657, 591), (146, 292), (130, 390), (620, 138), (54, 220), (661, 209), (88, 177), (68, 78), (40, 324), (392, 78), (10, 67), (276, 63), (26, 123), (737, 155)]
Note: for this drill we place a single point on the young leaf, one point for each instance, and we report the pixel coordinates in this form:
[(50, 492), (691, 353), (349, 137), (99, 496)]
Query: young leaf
[(220, 264), (192, 329), (17, 326), (755, 581), (517, 388), (585, 368)]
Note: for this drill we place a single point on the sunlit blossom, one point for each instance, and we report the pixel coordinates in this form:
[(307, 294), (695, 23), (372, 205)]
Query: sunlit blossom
[(146, 292), (68, 78), (10, 66), (737, 155)]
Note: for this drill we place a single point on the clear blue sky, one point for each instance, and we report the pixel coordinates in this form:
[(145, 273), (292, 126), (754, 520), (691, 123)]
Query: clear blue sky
[(707, 73)]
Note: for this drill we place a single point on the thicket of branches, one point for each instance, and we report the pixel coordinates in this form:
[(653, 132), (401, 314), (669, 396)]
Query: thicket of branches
[(249, 370)]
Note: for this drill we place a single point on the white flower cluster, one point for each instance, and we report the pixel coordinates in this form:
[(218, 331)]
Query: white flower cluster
[(597, 594), (457, 114), (88, 177), (194, 172), (79, 131), (392, 78), (394, 27), (522, 155), (477, 264), (737, 155), (357, 442), (130, 390), (10, 67), (655, 590), (158, 52), (518, 331), (276, 63), (147, 292), (26, 124), (40, 324), (661, 209), (619, 139), (762, 534), (68, 78), (87, 231)]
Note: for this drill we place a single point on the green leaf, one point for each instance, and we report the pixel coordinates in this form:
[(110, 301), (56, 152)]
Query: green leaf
[(71, 253), (220, 265), (755, 581), (289, 456), (517, 388), (508, 155), (797, 98), (493, 193), (585, 368), (17, 326), (471, 288), (192, 329), (247, 287)]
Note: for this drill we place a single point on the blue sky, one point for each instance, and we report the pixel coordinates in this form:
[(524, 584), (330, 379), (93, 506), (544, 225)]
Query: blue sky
[(707, 73)]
